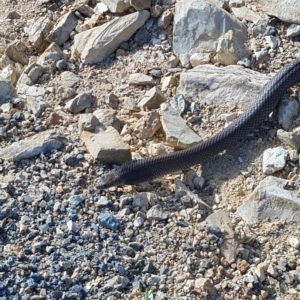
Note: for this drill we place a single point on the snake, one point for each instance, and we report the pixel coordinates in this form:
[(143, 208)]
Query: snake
[(144, 170)]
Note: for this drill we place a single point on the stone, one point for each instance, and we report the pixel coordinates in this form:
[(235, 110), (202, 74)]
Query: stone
[(245, 13), (100, 8), (242, 266), (197, 59), (244, 88), (205, 285), (152, 99), (108, 221), (207, 23), (7, 91), (291, 139), (293, 30), (49, 57), (157, 213), (287, 110), (116, 6), (69, 79), (31, 74), (230, 50), (287, 11), (106, 145), (156, 149), (165, 19), (140, 4), (140, 79), (272, 41), (147, 125), (80, 103), (294, 242), (61, 32), (96, 44), (87, 122), (270, 201), (16, 52), (10, 73), (37, 32), (32, 146), (274, 159), (178, 134), (229, 247), (108, 117)]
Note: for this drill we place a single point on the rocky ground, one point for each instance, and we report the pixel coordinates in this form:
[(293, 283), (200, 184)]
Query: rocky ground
[(88, 85)]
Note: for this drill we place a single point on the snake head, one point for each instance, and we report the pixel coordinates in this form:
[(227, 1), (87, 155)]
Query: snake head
[(112, 178)]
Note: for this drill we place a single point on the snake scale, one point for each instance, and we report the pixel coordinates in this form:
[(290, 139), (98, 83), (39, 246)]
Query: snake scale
[(137, 171)]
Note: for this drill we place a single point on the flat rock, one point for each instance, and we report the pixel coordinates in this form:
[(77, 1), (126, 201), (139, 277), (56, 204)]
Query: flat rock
[(98, 43), (105, 144), (274, 159), (116, 6), (152, 99), (140, 79), (79, 103), (245, 13), (147, 125), (61, 32), (157, 213), (69, 79), (291, 139), (7, 91), (32, 146), (285, 10), (16, 52), (229, 247), (178, 134), (209, 84), (271, 201), (198, 25)]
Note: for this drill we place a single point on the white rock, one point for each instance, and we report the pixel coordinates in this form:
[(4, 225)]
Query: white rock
[(287, 110), (293, 30), (294, 242), (274, 159), (272, 41), (199, 59)]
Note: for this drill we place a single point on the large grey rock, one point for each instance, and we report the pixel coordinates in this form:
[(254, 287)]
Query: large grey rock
[(270, 201), (7, 91), (61, 32), (42, 142), (178, 134), (98, 43), (198, 25), (231, 85), (285, 10)]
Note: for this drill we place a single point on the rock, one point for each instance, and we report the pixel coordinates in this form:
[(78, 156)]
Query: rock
[(31, 74), (32, 146), (87, 122), (108, 118), (178, 134), (157, 213), (25, 91), (291, 139), (49, 57), (152, 99), (165, 19), (244, 13), (205, 285), (105, 144), (230, 50), (293, 30), (272, 41), (16, 52), (229, 247), (112, 100), (10, 73), (13, 15), (274, 159), (272, 271), (35, 106), (287, 110), (98, 43), (140, 4), (178, 103), (156, 11), (270, 201), (7, 91), (168, 82), (100, 9), (198, 59), (147, 125), (244, 88), (140, 79), (37, 32), (69, 79), (156, 149), (80, 103), (261, 55), (61, 32), (72, 226), (242, 266), (108, 221), (285, 11), (294, 242), (207, 23), (117, 6)]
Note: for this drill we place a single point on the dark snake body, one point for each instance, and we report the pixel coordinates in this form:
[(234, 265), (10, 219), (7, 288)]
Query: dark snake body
[(143, 170)]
